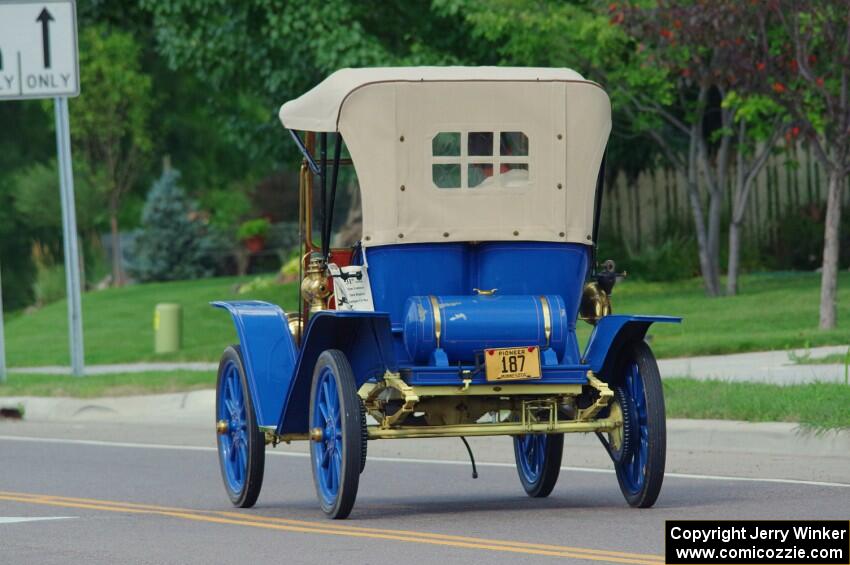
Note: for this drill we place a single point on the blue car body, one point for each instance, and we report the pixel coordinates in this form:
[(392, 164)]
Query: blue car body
[(279, 372)]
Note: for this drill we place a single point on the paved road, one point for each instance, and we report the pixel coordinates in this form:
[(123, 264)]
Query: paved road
[(148, 494)]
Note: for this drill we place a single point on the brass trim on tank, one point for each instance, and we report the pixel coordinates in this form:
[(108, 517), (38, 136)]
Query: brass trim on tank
[(438, 321), (547, 319)]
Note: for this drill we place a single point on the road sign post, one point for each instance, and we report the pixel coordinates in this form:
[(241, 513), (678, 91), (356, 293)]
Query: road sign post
[(38, 59), (69, 226)]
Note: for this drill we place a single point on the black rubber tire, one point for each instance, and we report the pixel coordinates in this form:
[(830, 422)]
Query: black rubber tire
[(351, 419), (364, 436), (545, 483), (256, 439), (640, 354)]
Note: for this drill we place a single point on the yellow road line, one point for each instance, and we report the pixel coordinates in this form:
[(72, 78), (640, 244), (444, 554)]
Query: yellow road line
[(283, 524), (338, 526)]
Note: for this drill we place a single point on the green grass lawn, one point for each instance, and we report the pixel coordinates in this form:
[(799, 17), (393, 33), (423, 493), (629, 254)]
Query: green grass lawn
[(122, 384), (118, 323), (773, 311), (820, 406)]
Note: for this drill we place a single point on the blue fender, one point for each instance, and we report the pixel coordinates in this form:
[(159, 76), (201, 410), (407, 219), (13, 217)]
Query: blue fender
[(611, 333), (268, 354), (364, 337)]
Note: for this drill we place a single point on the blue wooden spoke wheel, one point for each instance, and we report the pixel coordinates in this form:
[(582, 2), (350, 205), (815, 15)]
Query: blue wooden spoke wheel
[(538, 462), (639, 449), (336, 425), (241, 445)]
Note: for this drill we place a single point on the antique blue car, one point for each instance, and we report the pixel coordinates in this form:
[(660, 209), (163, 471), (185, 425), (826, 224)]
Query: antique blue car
[(455, 313)]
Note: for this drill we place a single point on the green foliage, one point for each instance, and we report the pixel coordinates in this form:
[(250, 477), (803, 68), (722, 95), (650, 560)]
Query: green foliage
[(25, 138), (49, 283), (174, 243), (797, 243), (253, 228), (251, 56), (582, 36), (757, 110), (672, 257), (38, 203), (17, 270), (110, 118), (226, 207)]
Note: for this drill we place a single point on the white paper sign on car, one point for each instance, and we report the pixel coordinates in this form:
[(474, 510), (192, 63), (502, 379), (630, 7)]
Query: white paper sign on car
[(351, 288)]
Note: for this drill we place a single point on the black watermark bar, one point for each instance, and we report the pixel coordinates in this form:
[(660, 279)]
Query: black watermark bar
[(740, 542)]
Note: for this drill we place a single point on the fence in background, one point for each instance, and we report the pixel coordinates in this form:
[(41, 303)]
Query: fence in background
[(638, 211)]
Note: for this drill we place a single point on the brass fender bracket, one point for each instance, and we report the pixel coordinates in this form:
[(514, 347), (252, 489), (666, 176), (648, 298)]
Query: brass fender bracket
[(395, 382), (606, 395)]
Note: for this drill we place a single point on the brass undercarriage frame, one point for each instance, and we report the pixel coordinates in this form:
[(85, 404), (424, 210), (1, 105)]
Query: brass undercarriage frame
[(405, 411)]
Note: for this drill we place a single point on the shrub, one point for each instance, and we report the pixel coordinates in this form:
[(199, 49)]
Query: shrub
[(253, 228), (174, 242), (674, 257), (797, 243), (49, 285)]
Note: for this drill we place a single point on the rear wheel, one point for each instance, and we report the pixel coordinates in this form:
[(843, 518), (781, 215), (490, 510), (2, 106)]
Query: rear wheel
[(538, 462), (639, 449), (241, 445), (337, 458)]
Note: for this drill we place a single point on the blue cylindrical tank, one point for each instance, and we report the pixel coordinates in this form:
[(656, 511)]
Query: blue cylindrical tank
[(469, 324)]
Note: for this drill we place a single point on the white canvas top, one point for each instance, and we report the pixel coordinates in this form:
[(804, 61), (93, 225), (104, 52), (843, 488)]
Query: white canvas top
[(466, 153), (319, 108)]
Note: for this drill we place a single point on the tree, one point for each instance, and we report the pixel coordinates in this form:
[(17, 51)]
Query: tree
[(252, 56), (110, 119), (758, 125), (688, 41), (621, 49), (174, 243), (705, 45), (275, 50), (24, 139), (801, 48)]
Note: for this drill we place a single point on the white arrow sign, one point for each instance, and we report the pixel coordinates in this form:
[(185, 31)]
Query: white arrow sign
[(38, 49)]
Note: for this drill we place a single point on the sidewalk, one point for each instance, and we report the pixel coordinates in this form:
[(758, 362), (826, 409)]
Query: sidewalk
[(774, 367), (762, 366)]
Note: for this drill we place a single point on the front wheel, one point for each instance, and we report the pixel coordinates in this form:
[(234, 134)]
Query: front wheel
[(538, 462), (241, 445), (639, 448), (337, 421)]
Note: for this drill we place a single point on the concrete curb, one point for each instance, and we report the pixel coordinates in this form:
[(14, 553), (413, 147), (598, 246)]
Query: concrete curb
[(196, 409), (188, 408)]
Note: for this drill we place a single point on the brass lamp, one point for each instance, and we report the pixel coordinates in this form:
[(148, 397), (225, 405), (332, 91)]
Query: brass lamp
[(314, 287)]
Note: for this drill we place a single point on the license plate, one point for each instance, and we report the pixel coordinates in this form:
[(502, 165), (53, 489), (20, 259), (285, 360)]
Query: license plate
[(512, 364)]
